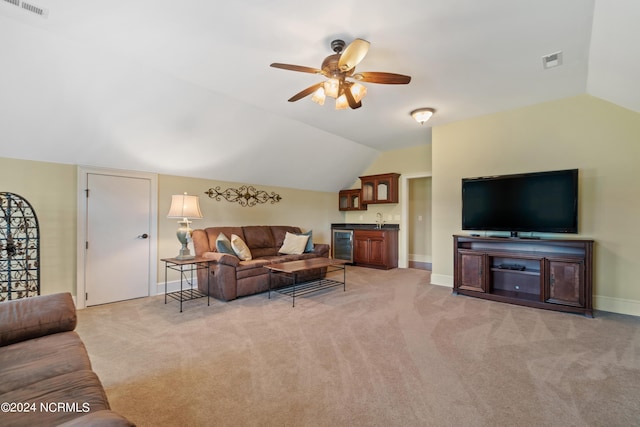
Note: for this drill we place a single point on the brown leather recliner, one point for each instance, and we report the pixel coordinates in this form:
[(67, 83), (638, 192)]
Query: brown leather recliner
[(231, 278)]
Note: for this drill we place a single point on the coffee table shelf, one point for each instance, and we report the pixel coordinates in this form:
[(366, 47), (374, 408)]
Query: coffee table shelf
[(291, 269)]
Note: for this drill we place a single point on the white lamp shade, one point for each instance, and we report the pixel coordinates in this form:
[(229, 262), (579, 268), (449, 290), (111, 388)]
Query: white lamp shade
[(184, 206)]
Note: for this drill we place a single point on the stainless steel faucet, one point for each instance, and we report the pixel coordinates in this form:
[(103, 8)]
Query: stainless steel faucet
[(379, 220)]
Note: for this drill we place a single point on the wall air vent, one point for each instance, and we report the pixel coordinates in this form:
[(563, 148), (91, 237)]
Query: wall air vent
[(552, 60), (29, 7)]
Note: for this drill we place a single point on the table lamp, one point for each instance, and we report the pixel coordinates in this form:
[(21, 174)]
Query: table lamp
[(184, 207)]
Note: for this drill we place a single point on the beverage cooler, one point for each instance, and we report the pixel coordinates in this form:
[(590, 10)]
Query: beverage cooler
[(342, 244)]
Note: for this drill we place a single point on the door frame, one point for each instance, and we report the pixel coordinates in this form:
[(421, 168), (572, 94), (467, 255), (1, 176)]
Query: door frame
[(403, 253), (81, 224)]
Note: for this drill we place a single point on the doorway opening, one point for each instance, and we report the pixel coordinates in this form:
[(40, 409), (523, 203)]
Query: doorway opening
[(416, 233)]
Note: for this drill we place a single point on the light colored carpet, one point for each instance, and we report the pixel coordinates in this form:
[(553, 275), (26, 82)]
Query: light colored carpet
[(392, 350)]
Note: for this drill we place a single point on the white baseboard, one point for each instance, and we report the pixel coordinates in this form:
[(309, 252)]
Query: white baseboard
[(442, 280), (616, 305), (174, 286), (420, 258)]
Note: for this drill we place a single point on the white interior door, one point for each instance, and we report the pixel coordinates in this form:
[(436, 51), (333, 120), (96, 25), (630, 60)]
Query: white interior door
[(117, 234)]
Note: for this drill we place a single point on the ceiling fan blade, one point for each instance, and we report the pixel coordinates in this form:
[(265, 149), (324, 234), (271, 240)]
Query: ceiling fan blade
[(306, 92), (350, 99), (384, 78), (353, 54), (296, 68)]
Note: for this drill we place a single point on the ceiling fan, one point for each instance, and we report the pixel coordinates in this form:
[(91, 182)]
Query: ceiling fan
[(339, 67)]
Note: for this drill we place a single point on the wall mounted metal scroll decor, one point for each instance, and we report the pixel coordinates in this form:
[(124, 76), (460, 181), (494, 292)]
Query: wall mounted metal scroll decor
[(19, 248), (245, 195)]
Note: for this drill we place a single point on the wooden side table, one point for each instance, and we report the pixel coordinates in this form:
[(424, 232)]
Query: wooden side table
[(186, 268)]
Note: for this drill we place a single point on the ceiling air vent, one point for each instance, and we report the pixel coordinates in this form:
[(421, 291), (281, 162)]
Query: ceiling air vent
[(552, 60), (35, 9), (29, 7)]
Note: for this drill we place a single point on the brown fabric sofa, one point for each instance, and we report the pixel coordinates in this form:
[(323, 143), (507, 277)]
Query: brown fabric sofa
[(230, 277), (45, 372)]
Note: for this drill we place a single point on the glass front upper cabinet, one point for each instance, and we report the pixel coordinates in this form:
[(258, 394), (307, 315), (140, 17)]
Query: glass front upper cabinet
[(381, 188)]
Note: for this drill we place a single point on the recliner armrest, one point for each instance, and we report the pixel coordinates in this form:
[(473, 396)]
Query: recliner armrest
[(221, 258), (321, 249)]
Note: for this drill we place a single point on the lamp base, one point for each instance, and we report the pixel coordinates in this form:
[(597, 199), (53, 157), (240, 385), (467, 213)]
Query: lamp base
[(184, 236), (185, 253)]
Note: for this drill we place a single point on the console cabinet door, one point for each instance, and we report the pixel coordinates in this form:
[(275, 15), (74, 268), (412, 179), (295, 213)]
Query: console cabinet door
[(565, 282), (472, 271)]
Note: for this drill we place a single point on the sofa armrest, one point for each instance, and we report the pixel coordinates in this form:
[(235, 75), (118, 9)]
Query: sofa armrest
[(103, 418), (34, 317), (321, 249), (220, 258)]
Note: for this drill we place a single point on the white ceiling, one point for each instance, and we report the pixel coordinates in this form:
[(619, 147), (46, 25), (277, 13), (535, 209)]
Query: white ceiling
[(185, 88)]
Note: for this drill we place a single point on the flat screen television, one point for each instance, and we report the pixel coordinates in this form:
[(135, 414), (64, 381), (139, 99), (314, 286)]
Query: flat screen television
[(527, 202)]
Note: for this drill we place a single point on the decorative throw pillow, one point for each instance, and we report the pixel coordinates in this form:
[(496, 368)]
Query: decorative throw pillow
[(294, 244), (240, 248), (223, 245), (309, 247)]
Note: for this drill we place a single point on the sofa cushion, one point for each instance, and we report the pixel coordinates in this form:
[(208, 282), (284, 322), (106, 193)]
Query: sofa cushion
[(34, 360), (293, 244), (240, 248), (259, 236), (251, 268), (81, 388)]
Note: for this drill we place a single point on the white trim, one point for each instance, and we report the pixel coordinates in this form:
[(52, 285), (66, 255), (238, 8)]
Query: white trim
[(403, 244), (442, 280), (174, 286), (81, 234), (420, 258), (616, 305)]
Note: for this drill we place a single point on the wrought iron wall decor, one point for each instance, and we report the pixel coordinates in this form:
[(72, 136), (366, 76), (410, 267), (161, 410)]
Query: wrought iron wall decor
[(19, 248), (245, 195)]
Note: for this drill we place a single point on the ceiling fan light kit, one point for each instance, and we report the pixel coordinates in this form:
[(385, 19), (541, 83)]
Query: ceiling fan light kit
[(337, 68), (421, 115)]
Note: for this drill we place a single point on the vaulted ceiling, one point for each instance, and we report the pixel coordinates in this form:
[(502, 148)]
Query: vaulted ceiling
[(185, 88)]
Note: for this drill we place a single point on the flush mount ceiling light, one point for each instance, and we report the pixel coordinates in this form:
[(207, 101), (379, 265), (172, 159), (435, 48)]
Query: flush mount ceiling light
[(421, 115)]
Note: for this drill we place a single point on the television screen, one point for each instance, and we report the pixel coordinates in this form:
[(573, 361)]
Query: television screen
[(540, 201)]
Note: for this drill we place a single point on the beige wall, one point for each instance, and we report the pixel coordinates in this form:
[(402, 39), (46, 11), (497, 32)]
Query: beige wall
[(407, 161), (309, 210), (50, 188), (599, 138)]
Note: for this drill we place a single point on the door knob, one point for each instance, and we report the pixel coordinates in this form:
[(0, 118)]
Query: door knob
[(143, 236)]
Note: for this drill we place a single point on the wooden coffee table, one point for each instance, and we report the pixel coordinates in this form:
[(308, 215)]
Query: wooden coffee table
[(291, 269)]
